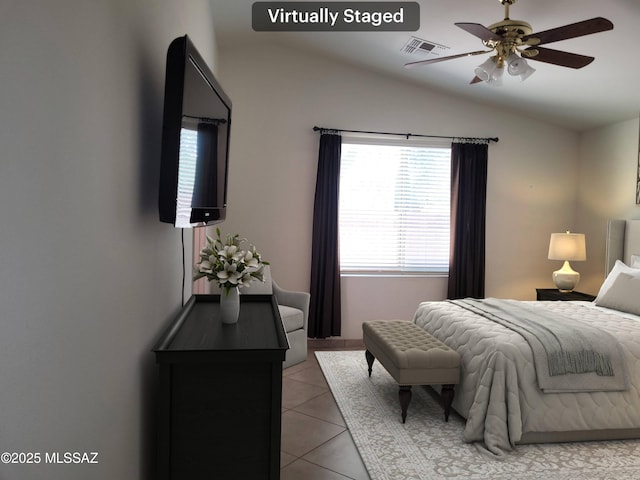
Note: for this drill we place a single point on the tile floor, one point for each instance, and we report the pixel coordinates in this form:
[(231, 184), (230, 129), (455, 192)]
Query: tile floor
[(316, 444)]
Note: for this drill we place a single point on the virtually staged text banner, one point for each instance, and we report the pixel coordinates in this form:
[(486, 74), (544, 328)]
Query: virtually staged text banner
[(335, 16)]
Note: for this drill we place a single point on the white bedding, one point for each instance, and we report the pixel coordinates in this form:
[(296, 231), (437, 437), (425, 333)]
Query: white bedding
[(498, 392)]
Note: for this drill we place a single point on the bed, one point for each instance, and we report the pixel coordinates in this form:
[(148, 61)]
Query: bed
[(499, 392)]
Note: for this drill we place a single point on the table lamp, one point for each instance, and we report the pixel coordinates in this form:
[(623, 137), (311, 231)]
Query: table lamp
[(567, 247)]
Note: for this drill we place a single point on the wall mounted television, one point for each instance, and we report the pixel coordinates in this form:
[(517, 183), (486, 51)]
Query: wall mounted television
[(195, 141)]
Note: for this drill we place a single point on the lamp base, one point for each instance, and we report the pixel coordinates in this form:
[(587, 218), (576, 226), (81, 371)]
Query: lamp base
[(566, 278)]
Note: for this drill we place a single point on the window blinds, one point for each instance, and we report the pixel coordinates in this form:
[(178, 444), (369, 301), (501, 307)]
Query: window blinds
[(394, 208)]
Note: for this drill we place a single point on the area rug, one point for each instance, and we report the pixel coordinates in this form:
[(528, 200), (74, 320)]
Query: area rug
[(427, 448)]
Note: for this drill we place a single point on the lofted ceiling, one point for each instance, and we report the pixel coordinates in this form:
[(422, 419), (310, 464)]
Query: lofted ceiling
[(606, 91)]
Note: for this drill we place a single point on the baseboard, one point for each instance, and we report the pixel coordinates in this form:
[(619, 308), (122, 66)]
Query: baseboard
[(326, 343)]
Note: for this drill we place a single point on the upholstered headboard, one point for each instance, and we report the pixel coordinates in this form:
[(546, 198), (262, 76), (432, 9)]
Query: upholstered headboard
[(623, 240)]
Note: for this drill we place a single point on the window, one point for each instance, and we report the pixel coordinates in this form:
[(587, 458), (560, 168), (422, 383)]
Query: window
[(394, 207), (186, 176)]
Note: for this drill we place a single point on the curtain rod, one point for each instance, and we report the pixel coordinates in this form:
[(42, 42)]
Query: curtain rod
[(407, 135)]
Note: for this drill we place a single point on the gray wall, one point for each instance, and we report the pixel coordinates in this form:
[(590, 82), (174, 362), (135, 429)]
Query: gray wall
[(88, 275), (607, 187)]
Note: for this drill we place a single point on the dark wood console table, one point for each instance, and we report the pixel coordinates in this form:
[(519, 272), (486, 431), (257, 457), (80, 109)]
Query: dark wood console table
[(220, 396)]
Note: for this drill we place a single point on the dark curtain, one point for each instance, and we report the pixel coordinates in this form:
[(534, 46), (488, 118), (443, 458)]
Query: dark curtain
[(468, 212), (325, 306)]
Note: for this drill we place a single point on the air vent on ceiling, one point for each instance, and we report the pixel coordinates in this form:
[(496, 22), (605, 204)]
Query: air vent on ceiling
[(424, 48)]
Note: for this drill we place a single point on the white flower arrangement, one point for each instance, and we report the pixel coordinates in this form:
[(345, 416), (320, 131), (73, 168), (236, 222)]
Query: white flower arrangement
[(226, 263)]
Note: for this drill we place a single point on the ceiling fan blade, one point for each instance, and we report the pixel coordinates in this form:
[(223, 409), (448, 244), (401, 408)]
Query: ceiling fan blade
[(478, 30), (443, 59), (557, 57), (579, 29)]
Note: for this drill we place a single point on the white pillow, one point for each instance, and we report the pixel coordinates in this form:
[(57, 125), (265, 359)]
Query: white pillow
[(619, 267), (623, 295)]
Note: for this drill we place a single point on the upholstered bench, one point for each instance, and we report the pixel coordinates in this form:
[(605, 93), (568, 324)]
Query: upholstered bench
[(412, 357)]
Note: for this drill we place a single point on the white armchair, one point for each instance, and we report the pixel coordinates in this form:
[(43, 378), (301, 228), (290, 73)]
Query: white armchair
[(294, 311)]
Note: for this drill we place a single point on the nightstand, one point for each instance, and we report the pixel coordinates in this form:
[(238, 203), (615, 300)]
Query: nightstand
[(555, 294)]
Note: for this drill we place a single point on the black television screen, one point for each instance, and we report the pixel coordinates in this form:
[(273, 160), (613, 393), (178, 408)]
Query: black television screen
[(195, 141)]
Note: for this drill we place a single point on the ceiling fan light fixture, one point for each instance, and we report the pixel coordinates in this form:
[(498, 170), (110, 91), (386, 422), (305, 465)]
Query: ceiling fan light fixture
[(485, 70), (518, 66), (495, 79), (490, 72), (527, 73)]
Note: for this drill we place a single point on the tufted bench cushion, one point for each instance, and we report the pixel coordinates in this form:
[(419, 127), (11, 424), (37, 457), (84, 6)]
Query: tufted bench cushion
[(412, 357)]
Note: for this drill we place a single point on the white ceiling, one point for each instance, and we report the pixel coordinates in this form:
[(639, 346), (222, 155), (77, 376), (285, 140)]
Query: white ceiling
[(606, 91)]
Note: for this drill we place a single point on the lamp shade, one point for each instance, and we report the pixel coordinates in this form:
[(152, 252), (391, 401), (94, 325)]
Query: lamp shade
[(567, 246), (490, 71), (485, 70), (519, 66)]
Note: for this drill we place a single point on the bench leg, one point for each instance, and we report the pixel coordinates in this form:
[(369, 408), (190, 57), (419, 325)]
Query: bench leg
[(447, 397), (370, 359), (405, 397)]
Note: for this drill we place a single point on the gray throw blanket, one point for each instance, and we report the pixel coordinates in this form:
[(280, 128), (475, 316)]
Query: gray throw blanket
[(569, 355)]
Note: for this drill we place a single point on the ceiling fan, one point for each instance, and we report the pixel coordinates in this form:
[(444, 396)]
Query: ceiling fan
[(514, 40)]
